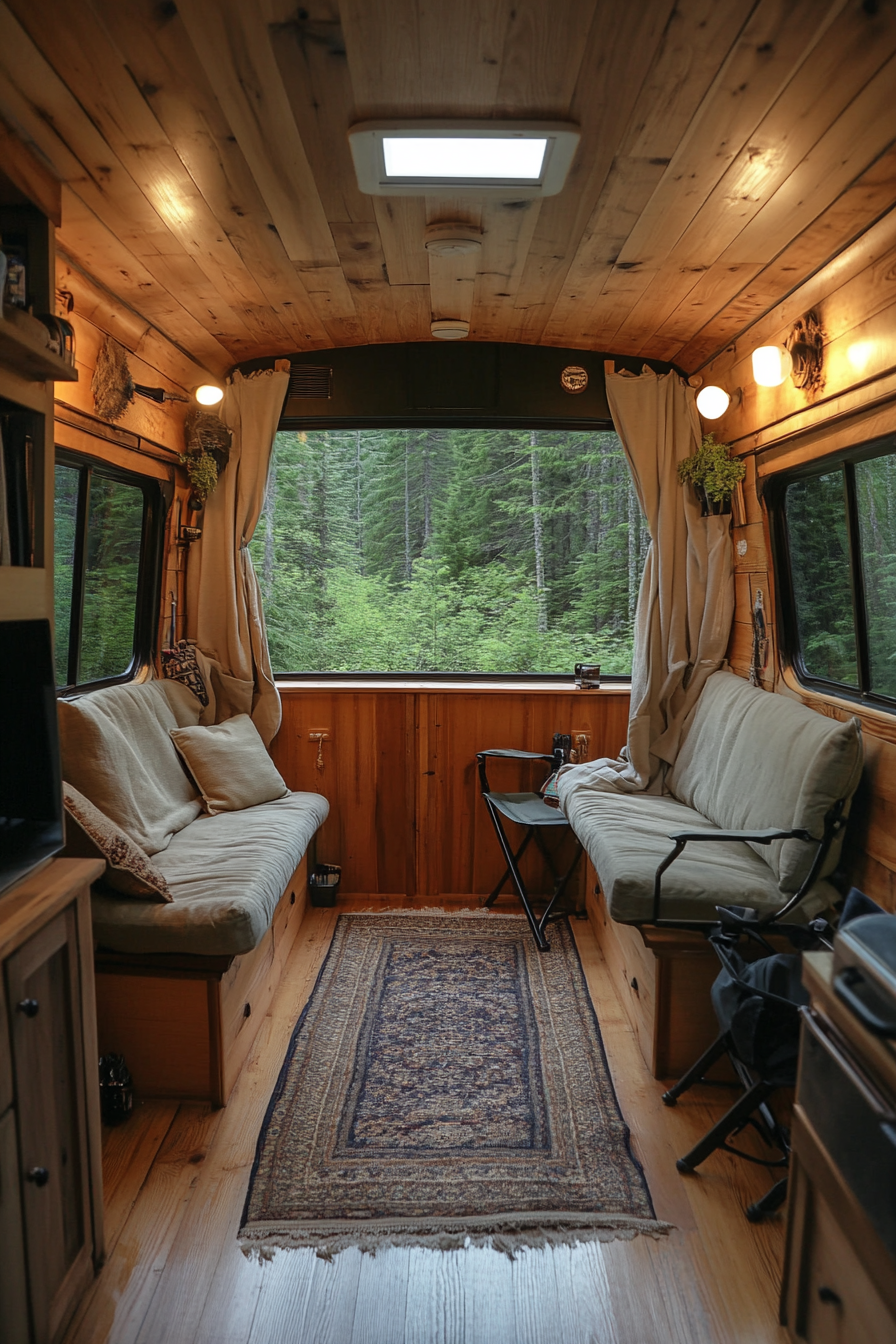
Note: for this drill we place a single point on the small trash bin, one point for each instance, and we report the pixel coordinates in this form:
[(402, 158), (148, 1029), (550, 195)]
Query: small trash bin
[(323, 883)]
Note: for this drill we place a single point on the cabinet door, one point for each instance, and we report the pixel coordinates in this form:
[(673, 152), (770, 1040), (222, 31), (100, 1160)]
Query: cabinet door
[(43, 998), (13, 1283)]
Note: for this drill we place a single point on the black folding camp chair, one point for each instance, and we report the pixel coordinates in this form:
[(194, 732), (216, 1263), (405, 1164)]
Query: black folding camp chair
[(758, 1008), (531, 811)]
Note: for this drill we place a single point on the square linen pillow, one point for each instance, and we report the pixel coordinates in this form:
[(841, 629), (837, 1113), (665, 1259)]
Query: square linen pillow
[(90, 833), (230, 764)]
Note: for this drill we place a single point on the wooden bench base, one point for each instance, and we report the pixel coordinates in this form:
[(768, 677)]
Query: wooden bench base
[(663, 978), (186, 1024)]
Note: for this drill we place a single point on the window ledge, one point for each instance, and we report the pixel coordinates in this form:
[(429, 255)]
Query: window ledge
[(423, 685)]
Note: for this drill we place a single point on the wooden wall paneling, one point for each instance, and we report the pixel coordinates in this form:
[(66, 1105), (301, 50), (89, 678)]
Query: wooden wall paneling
[(160, 59), (232, 45), (22, 167), (507, 231), (833, 238), (370, 827), (773, 43), (699, 35), (360, 255), (810, 128), (97, 249), (617, 56), (401, 221), (78, 44), (458, 851)]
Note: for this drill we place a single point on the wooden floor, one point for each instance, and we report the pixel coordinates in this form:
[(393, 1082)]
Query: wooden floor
[(176, 1178)]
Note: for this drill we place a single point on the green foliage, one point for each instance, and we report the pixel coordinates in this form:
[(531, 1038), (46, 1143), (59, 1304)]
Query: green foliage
[(416, 550), (202, 469), (713, 469)]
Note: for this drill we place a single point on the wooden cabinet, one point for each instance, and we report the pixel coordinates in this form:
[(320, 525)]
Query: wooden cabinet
[(50, 1157), (840, 1271)]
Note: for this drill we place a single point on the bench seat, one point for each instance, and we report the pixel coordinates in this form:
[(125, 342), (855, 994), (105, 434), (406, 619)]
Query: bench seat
[(226, 873)]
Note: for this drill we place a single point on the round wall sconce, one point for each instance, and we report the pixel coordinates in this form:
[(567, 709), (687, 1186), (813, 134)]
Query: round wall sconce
[(772, 365), (208, 394), (450, 328), (712, 402)]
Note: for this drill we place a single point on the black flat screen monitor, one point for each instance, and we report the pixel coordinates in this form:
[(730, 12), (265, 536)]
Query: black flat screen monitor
[(30, 770)]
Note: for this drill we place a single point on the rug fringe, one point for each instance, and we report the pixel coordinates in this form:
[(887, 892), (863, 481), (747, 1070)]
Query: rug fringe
[(510, 1235)]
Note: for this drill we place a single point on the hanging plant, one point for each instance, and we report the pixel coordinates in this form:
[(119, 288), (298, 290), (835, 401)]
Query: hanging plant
[(112, 385), (208, 452), (713, 473)]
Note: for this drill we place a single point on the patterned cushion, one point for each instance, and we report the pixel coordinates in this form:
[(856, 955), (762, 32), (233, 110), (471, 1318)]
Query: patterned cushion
[(129, 869), (180, 664)]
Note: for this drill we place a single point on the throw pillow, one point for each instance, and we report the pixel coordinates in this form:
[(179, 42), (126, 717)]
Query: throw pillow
[(129, 869), (230, 764), (181, 664)]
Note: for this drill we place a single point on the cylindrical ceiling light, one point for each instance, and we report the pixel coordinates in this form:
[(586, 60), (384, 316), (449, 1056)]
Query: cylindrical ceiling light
[(207, 394), (450, 328), (772, 364), (712, 402)]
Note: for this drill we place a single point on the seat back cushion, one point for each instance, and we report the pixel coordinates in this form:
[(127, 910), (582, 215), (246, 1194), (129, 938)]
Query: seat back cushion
[(752, 759), (117, 751)]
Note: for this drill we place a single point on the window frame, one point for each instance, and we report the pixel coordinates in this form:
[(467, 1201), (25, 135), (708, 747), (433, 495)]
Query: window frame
[(774, 493), (447, 419), (149, 572)]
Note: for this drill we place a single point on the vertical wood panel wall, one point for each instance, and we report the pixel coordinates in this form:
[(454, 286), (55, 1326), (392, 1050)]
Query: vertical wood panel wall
[(399, 771), (776, 428)]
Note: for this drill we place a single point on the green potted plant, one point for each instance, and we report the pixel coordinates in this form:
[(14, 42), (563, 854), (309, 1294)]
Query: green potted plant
[(208, 449), (713, 473)]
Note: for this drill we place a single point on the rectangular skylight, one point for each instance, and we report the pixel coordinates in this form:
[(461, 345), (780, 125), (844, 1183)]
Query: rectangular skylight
[(419, 158), (464, 157)]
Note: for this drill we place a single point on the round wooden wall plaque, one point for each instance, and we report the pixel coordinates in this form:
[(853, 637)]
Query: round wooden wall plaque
[(574, 378)]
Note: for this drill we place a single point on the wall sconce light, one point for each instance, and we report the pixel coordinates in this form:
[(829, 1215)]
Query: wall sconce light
[(712, 402), (772, 365), (207, 394), (801, 356)]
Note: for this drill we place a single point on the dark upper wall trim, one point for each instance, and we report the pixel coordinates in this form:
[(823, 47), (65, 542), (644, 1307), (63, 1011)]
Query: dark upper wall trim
[(430, 382)]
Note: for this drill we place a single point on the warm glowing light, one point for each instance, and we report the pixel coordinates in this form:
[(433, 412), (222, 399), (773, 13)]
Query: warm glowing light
[(712, 402), (860, 354), (464, 157), (208, 394), (771, 365)]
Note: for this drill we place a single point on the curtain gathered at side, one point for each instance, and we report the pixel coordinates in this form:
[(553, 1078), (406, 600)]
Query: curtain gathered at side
[(686, 600), (224, 611)]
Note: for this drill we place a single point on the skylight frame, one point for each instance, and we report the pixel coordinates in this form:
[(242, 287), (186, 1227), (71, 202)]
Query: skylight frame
[(366, 141)]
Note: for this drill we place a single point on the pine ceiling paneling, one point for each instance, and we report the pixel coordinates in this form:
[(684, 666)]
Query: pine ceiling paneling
[(729, 148)]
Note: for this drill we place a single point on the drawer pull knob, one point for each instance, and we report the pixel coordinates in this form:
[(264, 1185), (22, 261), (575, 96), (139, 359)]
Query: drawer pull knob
[(247, 1010), (634, 984), (292, 898), (30, 1007), (828, 1296), (37, 1176)]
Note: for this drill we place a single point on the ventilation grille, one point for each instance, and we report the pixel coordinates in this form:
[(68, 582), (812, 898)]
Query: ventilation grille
[(310, 380)]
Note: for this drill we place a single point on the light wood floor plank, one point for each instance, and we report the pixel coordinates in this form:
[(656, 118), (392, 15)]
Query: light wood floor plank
[(176, 1274)]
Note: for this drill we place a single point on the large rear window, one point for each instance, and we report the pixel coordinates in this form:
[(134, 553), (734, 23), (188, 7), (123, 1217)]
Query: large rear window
[(449, 550)]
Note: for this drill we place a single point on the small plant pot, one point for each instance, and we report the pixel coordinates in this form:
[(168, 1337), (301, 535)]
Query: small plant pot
[(323, 884)]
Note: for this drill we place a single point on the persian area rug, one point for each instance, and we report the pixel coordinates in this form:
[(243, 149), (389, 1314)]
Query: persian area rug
[(446, 1085)]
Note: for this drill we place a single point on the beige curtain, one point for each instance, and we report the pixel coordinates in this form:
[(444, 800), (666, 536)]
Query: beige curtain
[(224, 613), (686, 601)]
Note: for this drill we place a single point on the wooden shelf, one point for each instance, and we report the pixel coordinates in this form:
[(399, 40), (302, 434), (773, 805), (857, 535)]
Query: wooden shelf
[(21, 350)]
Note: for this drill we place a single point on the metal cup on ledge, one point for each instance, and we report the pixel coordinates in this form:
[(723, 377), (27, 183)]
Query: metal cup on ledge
[(587, 676)]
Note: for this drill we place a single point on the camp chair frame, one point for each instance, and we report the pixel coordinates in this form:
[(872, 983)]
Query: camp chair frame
[(529, 810)]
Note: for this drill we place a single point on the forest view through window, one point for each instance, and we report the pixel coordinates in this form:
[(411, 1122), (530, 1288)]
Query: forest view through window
[(449, 550)]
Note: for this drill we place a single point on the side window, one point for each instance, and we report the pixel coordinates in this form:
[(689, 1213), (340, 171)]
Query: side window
[(108, 551), (838, 529)]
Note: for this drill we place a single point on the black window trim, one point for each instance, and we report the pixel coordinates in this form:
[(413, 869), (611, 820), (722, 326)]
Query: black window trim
[(774, 493), (157, 496)]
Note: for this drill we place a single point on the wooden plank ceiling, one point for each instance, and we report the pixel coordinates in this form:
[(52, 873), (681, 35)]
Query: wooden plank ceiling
[(729, 148)]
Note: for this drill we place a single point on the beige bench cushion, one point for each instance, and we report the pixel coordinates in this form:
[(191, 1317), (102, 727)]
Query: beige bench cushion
[(226, 874), (751, 760), (116, 750), (627, 836)]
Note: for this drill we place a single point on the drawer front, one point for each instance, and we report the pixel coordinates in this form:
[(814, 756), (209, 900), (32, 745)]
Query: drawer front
[(856, 1124), (841, 1302)]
